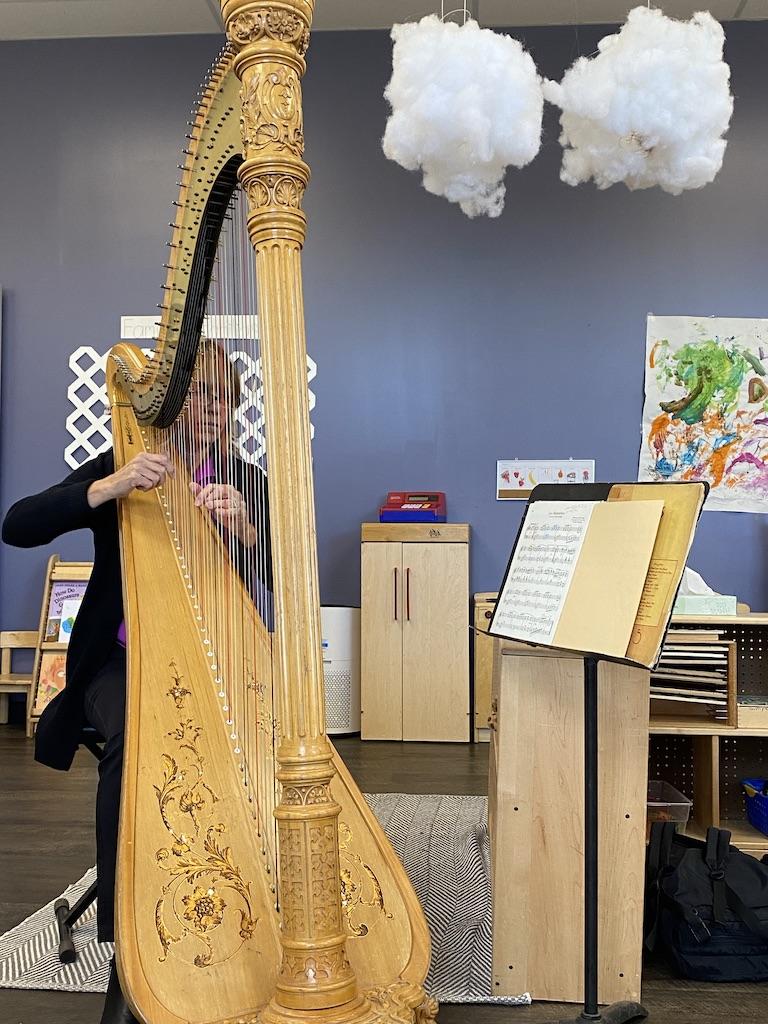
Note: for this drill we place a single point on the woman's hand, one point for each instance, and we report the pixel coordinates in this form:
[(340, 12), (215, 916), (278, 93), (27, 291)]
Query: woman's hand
[(227, 505), (144, 472)]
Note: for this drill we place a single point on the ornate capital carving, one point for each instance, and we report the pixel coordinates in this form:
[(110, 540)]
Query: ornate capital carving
[(307, 795), (273, 23), (299, 968), (281, 190)]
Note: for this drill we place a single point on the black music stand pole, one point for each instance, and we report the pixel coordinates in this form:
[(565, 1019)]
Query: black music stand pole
[(616, 1013)]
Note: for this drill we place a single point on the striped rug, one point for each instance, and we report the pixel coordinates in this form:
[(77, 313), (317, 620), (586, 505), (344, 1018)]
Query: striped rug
[(443, 843), (29, 952)]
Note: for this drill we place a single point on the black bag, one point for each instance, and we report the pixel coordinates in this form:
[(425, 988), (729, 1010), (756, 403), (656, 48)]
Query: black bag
[(706, 906)]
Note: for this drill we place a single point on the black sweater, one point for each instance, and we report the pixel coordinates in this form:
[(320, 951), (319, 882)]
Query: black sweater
[(40, 519)]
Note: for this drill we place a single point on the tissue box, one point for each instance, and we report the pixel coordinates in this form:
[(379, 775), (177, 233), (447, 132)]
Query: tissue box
[(704, 604)]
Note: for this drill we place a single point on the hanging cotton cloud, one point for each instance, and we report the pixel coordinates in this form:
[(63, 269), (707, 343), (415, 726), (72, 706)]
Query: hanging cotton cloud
[(466, 103), (650, 109)]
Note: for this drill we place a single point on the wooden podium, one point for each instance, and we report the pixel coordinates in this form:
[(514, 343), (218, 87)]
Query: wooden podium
[(536, 817), (581, 617)]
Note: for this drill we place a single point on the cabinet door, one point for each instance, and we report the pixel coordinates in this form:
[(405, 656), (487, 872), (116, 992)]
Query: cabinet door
[(381, 642), (436, 642)]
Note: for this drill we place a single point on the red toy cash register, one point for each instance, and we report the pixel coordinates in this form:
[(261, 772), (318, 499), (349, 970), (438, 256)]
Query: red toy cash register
[(413, 507)]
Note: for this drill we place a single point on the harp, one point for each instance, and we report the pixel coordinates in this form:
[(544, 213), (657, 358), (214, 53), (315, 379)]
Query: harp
[(254, 884)]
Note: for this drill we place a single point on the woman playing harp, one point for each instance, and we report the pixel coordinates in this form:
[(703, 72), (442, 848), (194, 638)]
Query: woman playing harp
[(231, 493), (254, 884)]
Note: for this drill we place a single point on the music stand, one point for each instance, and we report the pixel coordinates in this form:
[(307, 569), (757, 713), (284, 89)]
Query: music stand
[(624, 1012)]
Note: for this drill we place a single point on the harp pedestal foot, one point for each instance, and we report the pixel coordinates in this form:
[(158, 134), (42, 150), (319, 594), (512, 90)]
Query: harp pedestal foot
[(400, 1003)]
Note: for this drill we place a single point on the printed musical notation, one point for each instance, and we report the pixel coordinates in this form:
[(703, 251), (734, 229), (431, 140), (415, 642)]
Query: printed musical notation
[(542, 568)]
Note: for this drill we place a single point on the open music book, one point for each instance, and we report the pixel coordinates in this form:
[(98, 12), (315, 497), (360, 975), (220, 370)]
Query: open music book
[(599, 575)]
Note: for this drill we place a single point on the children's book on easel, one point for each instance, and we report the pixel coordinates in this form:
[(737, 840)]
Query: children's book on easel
[(63, 591), (596, 567)]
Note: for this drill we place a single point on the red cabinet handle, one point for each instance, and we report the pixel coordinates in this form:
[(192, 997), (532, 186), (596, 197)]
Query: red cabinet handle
[(394, 571), (408, 594)]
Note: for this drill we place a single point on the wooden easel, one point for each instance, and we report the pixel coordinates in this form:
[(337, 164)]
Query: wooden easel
[(56, 572)]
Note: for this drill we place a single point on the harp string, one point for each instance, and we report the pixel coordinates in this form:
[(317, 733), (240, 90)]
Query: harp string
[(217, 446)]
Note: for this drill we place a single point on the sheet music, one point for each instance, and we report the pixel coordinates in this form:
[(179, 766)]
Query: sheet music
[(542, 568)]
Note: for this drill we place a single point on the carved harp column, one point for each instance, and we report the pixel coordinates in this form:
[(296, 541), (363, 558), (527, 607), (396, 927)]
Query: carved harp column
[(271, 39)]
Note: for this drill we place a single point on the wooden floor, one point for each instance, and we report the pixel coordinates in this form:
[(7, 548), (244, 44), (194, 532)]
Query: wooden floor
[(47, 842)]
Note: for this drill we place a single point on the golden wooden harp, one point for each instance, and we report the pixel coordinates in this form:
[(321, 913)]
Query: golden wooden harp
[(254, 884)]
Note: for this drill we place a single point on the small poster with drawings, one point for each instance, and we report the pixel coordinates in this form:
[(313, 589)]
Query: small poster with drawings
[(516, 478), (63, 593), (52, 679)]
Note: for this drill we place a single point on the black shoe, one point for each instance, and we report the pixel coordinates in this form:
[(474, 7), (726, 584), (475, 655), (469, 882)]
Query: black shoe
[(116, 1010)]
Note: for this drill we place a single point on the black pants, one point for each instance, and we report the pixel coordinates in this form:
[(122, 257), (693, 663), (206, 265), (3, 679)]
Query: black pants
[(104, 705)]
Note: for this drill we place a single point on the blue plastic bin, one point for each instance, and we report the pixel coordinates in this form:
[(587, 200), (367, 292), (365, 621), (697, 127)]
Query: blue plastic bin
[(757, 803)]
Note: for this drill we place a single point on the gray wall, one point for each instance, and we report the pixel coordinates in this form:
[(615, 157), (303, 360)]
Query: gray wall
[(442, 344)]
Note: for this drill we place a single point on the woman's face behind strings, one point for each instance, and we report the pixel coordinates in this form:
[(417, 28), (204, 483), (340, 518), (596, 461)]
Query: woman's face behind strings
[(213, 397), (207, 412)]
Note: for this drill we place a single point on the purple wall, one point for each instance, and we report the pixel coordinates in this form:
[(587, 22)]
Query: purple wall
[(442, 344)]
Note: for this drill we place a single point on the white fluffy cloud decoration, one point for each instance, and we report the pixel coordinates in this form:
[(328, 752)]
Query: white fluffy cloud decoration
[(466, 104), (650, 109)]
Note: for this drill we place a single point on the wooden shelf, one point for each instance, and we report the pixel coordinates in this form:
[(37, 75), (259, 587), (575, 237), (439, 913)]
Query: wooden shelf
[(53, 645), (750, 619), (743, 835), (686, 727)]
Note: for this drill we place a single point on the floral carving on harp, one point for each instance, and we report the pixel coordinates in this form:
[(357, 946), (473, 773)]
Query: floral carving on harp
[(271, 112), (401, 1003), (204, 880), (360, 888)]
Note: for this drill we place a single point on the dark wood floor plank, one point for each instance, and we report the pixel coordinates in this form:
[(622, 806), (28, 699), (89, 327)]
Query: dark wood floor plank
[(46, 821)]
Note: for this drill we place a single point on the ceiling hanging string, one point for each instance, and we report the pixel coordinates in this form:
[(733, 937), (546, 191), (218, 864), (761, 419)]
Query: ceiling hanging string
[(464, 11)]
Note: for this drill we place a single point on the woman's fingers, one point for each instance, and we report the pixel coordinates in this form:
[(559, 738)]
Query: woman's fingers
[(202, 493)]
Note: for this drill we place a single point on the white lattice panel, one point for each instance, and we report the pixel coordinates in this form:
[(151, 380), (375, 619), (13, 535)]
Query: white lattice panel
[(89, 423)]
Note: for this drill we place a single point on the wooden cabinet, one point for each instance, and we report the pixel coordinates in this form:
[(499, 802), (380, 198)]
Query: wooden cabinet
[(415, 632)]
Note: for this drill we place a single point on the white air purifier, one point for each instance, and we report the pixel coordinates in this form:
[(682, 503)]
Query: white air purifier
[(341, 668)]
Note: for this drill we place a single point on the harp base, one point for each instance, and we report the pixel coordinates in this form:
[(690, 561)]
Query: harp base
[(401, 1003)]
